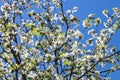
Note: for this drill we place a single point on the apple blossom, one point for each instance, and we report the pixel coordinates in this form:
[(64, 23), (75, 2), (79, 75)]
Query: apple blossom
[(39, 39)]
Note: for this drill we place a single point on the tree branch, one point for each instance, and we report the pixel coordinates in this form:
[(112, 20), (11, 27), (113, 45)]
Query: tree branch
[(97, 63)]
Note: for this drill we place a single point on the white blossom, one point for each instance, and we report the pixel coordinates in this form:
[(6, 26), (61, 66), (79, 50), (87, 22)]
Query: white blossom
[(68, 11), (91, 16), (74, 9), (75, 47), (105, 12), (78, 34)]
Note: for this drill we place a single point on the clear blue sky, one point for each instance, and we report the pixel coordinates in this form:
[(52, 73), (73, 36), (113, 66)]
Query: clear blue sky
[(86, 7)]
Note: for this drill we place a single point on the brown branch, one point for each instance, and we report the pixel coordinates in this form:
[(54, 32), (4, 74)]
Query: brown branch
[(64, 18), (97, 63)]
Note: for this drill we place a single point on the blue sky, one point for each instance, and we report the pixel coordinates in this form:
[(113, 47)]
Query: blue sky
[(85, 7)]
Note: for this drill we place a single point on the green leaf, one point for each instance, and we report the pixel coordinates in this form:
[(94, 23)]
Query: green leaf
[(115, 26), (36, 32), (14, 67), (6, 44), (48, 59), (39, 33), (33, 30), (2, 72), (66, 62), (48, 75), (119, 57), (86, 20), (9, 25), (62, 53), (0, 30), (29, 25), (111, 71)]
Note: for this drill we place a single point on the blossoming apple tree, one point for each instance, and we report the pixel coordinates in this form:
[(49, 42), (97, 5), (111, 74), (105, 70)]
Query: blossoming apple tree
[(39, 40)]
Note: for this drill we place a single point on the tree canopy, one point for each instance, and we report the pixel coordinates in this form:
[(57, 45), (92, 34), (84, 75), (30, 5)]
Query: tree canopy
[(40, 40)]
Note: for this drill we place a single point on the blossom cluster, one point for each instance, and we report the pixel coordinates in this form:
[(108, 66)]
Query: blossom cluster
[(36, 42)]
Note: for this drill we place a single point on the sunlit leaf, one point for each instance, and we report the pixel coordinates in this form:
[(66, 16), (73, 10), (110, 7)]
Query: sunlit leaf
[(29, 25), (9, 25), (111, 71), (7, 44), (119, 57), (116, 26)]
